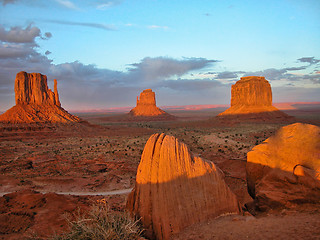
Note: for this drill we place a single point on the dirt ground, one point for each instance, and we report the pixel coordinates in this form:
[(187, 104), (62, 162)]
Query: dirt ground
[(39, 161)]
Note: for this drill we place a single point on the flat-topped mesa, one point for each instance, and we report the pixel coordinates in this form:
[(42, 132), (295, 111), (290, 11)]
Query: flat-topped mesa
[(175, 189), (252, 97), (35, 102), (146, 105), (251, 91)]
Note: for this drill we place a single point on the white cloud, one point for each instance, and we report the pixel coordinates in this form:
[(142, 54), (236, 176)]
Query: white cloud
[(158, 27), (67, 4)]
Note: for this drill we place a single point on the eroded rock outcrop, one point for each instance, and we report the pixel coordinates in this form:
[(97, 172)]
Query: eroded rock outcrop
[(251, 97), (285, 169), (35, 102), (146, 106), (175, 189)]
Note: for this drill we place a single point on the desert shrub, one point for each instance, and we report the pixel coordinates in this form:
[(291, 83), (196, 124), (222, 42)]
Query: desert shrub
[(101, 223)]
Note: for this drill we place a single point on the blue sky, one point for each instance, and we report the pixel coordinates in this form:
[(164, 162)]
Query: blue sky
[(104, 52)]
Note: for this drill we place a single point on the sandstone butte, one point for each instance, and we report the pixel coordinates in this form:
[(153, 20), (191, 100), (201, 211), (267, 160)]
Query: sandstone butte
[(35, 102), (285, 169), (175, 189), (252, 96), (146, 105)]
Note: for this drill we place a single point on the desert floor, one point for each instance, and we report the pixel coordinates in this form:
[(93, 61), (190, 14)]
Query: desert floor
[(48, 170)]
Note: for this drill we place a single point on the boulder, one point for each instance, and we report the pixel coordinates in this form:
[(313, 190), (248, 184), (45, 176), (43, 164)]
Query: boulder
[(285, 169), (175, 189), (146, 105), (35, 102), (251, 98)]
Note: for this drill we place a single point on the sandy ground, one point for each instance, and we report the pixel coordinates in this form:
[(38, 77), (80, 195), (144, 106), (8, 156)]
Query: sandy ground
[(90, 162)]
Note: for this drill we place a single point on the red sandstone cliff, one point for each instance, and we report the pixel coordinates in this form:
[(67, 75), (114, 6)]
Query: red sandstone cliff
[(252, 96), (35, 102), (146, 105), (175, 189)]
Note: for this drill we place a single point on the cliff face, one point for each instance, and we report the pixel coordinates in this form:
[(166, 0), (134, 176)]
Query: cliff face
[(251, 91), (35, 102), (146, 105), (251, 98), (289, 160), (32, 88), (175, 189)]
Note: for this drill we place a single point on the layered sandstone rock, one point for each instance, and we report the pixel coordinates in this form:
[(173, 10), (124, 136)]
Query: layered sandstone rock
[(285, 169), (252, 97), (146, 105), (35, 102), (175, 189)]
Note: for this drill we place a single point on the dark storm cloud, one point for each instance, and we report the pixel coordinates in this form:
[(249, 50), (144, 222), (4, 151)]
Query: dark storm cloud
[(14, 51), (152, 69), (20, 35), (107, 27), (270, 74), (190, 85), (310, 60), (295, 68), (296, 94), (228, 75)]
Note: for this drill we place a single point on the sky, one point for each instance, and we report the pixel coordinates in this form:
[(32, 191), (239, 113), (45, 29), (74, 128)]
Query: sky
[(103, 53)]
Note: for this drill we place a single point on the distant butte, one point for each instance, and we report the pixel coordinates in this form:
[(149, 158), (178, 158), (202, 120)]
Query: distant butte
[(251, 98), (35, 102), (146, 106)]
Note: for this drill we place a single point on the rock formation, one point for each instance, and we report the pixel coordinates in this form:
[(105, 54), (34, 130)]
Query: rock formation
[(175, 189), (285, 169), (35, 102), (146, 106), (251, 97)]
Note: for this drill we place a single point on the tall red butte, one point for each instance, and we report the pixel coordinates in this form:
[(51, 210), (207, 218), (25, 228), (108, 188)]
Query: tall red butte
[(146, 106), (251, 97), (35, 102)]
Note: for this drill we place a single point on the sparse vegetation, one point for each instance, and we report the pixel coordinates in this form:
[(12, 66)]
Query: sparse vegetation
[(102, 223)]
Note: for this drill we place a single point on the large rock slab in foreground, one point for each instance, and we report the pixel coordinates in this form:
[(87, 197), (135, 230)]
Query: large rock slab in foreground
[(35, 102), (175, 189), (251, 98), (285, 169), (146, 106)]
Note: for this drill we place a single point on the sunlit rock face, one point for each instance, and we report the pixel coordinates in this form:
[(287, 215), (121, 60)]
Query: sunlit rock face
[(252, 95), (32, 88), (35, 102), (285, 169), (175, 189), (146, 105)]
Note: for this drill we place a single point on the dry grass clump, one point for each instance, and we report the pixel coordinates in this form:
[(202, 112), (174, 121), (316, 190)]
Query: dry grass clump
[(101, 223)]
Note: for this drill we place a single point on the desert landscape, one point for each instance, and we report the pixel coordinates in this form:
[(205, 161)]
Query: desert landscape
[(159, 120), (52, 170)]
